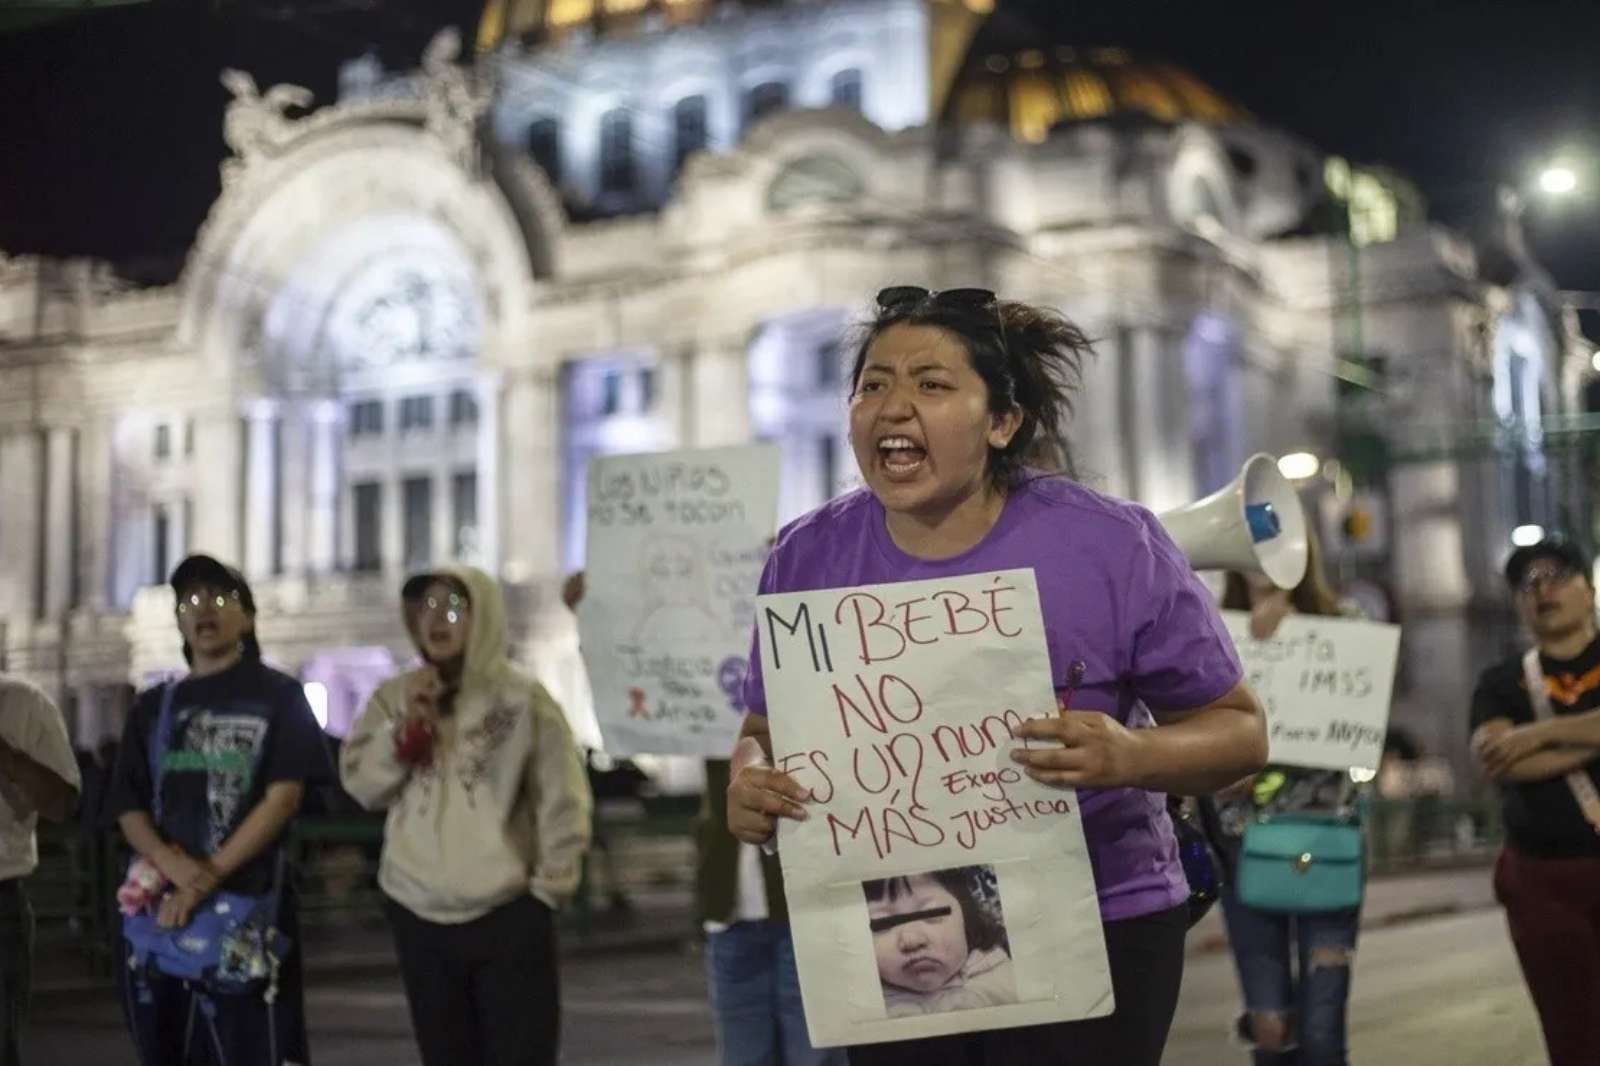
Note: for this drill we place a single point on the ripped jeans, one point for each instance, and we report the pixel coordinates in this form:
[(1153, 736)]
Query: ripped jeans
[(1295, 966)]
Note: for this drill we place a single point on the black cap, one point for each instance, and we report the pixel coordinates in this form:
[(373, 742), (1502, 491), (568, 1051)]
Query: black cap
[(417, 584), (1555, 547), (204, 570)]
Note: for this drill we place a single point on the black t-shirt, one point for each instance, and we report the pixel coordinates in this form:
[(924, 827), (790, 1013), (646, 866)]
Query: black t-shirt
[(1542, 818), (232, 735)]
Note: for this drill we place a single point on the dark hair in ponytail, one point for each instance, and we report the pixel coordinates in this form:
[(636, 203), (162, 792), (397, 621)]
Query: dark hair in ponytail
[(1029, 357)]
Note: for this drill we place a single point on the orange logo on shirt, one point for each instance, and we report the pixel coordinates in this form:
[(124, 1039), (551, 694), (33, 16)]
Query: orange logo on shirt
[(1568, 690)]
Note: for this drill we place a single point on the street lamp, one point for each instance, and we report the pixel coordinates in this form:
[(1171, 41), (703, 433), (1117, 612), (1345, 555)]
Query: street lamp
[(1297, 466), (1527, 536), (1558, 180)]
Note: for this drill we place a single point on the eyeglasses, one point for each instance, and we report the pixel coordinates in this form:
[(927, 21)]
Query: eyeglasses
[(453, 605), (1551, 574), (218, 598)]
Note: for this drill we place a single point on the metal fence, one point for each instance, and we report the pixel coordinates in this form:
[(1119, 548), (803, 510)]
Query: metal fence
[(335, 860)]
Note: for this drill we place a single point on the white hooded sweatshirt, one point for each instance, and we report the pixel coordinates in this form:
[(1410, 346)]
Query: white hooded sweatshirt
[(503, 810)]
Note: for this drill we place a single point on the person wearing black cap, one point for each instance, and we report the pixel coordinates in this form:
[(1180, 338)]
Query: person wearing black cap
[(1536, 733), (240, 748)]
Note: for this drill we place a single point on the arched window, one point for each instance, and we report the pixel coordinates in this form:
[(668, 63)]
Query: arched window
[(616, 151), (690, 132), (763, 100), (544, 145), (844, 89)]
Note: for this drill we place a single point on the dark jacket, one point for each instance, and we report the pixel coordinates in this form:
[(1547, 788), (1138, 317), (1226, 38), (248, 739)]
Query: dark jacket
[(717, 872)]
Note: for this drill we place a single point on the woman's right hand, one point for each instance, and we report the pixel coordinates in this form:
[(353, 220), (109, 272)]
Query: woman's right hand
[(423, 689), (758, 796)]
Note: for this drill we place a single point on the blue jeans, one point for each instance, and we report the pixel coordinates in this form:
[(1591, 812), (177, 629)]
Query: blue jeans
[(1311, 990), (755, 999)]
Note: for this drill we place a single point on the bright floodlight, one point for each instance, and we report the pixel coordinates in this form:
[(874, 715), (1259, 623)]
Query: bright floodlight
[(1297, 466), (1594, 360), (1523, 536), (317, 696), (1558, 180)]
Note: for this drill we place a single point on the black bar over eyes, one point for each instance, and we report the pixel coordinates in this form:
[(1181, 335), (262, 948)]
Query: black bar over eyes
[(894, 921)]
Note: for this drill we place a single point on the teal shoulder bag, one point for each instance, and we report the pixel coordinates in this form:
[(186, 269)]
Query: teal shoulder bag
[(1301, 863)]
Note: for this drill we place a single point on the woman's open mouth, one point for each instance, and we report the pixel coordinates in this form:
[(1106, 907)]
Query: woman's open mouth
[(900, 455)]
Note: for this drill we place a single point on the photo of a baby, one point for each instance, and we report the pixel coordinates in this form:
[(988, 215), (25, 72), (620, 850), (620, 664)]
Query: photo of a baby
[(940, 941)]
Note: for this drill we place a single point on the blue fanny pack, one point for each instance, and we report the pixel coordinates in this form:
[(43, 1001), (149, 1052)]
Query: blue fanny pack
[(1302, 863), (231, 943)]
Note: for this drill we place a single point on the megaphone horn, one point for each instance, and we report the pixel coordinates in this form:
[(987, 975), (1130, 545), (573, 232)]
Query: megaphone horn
[(1255, 522)]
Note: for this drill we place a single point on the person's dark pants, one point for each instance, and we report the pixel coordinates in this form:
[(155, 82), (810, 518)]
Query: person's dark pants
[(16, 968), (1146, 957), (485, 992), (175, 1025), (1553, 909), (1296, 966)]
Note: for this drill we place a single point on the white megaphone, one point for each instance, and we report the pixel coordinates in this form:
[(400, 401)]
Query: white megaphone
[(1255, 522)]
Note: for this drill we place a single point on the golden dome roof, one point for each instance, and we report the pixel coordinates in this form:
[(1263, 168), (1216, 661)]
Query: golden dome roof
[(985, 66), (544, 20), (1032, 89)]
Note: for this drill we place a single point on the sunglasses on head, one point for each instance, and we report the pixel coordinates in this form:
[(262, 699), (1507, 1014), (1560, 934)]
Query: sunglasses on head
[(905, 297)]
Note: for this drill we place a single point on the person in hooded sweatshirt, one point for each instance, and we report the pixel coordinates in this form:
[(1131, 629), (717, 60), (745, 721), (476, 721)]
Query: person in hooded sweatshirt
[(487, 826)]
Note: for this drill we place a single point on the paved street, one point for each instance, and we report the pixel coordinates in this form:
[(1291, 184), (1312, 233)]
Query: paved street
[(1438, 992)]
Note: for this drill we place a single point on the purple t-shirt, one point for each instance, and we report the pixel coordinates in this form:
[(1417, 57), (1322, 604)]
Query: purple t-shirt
[(1116, 594)]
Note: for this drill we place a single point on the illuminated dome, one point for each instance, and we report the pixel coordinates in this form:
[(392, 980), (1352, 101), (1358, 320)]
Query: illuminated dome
[(539, 21), (548, 20), (1034, 88)]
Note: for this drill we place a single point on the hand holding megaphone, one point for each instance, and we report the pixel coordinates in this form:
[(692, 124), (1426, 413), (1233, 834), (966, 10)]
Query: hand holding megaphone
[(1253, 523)]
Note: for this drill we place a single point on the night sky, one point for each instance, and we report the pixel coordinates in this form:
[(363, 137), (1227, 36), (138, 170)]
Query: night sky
[(111, 129)]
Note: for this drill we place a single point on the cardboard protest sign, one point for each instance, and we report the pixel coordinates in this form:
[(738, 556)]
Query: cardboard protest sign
[(934, 888), (676, 545), (1326, 684)]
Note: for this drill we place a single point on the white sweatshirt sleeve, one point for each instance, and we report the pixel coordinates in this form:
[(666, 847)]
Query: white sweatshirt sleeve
[(559, 788), (368, 766)]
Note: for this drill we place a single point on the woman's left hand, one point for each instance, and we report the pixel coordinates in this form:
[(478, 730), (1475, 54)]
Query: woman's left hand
[(1096, 751), (177, 908), (1500, 753)]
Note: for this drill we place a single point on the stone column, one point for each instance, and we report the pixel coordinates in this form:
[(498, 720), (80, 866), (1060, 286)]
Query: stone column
[(1095, 432), (391, 523), (61, 526), (719, 393), (530, 485), (218, 506), (21, 525), (94, 512), (489, 395), (261, 489), (672, 393), (322, 488), (294, 508), (1155, 426)]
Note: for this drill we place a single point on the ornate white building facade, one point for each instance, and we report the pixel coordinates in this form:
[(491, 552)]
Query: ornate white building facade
[(413, 315)]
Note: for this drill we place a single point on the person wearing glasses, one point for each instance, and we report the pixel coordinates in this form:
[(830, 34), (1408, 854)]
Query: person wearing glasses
[(1548, 768), (487, 826), (958, 403), (241, 748)]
